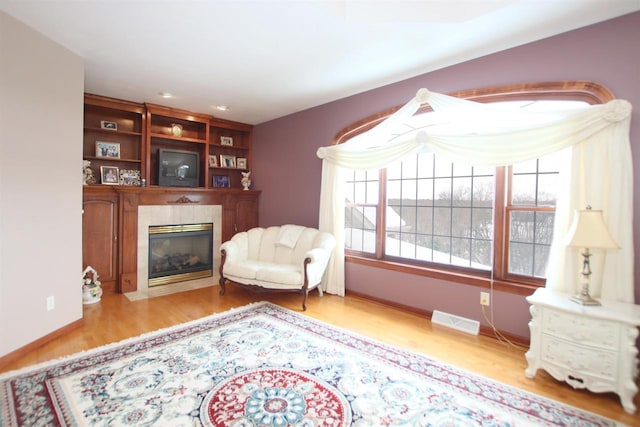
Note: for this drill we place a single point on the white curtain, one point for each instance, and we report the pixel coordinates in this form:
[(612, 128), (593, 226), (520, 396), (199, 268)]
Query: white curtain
[(596, 139)]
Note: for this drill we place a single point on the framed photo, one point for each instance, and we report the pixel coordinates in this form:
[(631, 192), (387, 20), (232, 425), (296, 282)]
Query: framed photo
[(242, 162), (108, 149), (221, 181), (213, 161), (109, 175), (104, 124), (226, 140), (130, 177), (227, 161)]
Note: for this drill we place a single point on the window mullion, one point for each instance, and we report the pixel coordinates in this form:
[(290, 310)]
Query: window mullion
[(381, 214), (451, 207)]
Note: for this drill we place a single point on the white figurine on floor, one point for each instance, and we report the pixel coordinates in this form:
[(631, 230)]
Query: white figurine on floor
[(91, 290)]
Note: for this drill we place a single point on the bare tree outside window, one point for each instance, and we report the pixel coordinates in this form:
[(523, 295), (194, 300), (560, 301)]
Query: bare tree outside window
[(445, 209)]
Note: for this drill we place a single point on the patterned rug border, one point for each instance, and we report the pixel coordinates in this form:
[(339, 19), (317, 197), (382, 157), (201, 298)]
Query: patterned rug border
[(142, 337), (382, 352)]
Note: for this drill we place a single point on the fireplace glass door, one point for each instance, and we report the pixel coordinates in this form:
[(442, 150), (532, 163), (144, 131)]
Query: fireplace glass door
[(178, 253)]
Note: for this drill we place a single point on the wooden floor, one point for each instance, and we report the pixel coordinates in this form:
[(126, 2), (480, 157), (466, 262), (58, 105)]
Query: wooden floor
[(116, 318)]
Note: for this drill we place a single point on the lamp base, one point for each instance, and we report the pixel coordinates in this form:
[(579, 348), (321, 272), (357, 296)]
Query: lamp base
[(583, 299)]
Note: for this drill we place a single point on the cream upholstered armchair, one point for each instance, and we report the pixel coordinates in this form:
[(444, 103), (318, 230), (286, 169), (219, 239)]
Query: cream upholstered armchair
[(282, 258)]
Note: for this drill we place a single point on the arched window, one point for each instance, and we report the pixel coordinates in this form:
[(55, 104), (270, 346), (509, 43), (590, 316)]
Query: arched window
[(464, 223)]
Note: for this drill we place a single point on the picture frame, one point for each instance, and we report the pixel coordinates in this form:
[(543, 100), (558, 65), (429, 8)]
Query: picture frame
[(130, 177), (106, 124), (241, 162), (221, 181), (227, 161), (108, 149), (226, 140), (109, 175), (213, 161)]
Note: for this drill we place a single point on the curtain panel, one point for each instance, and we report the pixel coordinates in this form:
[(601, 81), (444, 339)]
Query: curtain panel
[(600, 175)]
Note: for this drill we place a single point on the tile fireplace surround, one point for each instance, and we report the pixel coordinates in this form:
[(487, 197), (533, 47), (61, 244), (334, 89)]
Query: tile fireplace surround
[(149, 215)]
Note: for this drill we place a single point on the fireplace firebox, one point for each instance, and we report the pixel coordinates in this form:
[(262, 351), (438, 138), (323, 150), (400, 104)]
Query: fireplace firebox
[(178, 253)]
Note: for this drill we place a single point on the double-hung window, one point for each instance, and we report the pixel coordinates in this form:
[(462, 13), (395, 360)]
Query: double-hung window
[(469, 221)]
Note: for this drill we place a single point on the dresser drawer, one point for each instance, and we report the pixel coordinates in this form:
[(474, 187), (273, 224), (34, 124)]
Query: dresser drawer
[(579, 360), (581, 329)]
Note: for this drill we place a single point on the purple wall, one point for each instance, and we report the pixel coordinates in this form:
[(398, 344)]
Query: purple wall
[(605, 53)]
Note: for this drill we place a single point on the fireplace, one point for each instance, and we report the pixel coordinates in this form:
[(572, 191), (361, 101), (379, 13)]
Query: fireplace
[(176, 214), (180, 252)]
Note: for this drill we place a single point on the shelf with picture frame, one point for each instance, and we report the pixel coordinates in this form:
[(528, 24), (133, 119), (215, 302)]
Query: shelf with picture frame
[(128, 135), (230, 144), (113, 133), (224, 161)]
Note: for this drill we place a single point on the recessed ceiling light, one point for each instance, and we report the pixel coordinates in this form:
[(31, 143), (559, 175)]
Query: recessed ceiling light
[(165, 94), (222, 108)]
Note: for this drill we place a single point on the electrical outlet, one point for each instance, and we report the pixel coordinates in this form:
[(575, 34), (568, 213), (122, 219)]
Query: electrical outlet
[(51, 303), (484, 298)]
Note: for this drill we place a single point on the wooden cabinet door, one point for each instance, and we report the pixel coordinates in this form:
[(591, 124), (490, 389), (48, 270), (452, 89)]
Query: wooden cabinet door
[(240, 213), (228, 223), (99, 238), (246, 214)]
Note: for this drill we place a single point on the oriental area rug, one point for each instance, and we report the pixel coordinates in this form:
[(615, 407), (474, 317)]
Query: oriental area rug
[(263, 365)]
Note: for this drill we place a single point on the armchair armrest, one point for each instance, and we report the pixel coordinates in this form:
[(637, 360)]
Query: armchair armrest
[(234, 250), (316, 261), (317, 255)]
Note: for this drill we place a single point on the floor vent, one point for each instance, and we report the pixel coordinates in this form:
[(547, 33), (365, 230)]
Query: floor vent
[(456, 322)]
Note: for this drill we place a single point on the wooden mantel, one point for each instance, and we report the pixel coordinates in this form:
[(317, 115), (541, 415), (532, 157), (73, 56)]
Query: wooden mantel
[(239, 213)]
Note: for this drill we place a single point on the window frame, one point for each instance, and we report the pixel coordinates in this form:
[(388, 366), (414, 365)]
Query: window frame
[(590, 92)]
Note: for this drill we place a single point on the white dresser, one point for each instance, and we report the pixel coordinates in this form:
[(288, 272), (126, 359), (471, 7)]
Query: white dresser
[(592, 347)]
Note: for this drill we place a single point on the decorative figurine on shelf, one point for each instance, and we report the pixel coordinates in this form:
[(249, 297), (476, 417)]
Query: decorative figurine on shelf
[(91, 290), (245, 181), (88, 177)]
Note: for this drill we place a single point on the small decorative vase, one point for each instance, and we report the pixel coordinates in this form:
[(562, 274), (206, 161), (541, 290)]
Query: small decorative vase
[(245, 181)]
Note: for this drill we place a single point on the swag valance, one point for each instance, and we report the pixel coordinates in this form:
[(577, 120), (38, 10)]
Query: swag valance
[(596, 139)]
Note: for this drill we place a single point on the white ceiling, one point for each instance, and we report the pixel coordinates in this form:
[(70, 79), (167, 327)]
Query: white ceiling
[(266, 58)]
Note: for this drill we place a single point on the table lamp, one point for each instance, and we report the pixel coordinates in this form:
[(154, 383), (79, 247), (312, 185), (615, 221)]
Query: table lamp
[(588, 231)]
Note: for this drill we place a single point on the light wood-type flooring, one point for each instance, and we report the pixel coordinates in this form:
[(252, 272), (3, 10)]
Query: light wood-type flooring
[(115, 318)]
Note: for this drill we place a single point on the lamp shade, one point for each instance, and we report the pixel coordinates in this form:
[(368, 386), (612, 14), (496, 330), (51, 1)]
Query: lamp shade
[(588, 230)]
